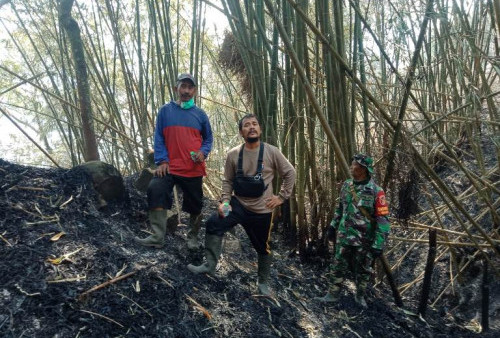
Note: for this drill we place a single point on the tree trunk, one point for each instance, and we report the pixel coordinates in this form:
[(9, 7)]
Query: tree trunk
[(73, 31)]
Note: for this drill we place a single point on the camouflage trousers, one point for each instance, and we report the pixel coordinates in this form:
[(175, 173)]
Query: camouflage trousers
[(357, 259)]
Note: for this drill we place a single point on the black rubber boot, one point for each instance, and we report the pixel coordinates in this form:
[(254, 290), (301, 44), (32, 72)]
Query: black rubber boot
[(158, 221), (194, 229), (264, 271), (213, 247)]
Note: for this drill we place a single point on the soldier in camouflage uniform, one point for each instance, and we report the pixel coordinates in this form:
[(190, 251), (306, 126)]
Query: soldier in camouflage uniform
[(360, 227)]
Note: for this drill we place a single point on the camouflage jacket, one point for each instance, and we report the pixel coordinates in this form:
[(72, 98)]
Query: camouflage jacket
[(353, 228)]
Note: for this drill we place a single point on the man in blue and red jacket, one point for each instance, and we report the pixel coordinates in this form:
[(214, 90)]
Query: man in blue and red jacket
[(183, 140)]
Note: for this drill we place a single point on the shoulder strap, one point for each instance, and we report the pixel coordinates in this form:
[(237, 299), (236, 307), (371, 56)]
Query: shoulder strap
[(355, 197), (239, 170), (261, 155)]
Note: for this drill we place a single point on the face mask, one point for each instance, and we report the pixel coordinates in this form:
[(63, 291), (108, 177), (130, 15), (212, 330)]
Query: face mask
[(187, 104)]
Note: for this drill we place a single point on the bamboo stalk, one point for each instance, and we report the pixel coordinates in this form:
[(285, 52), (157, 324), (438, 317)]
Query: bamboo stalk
[(407, 88), (485, 299), (308, 88), (395, 292), (29, 137), (429, 267)]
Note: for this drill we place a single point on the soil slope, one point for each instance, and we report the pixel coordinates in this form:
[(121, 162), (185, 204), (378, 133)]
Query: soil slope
[(45, 279)]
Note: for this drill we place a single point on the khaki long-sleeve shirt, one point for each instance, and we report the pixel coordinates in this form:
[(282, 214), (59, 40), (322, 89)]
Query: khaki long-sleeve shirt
[(273, 161)]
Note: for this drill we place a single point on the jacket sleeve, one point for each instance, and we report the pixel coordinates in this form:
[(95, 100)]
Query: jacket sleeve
[(337, 216), (160, 149), (383, 224), (206, 135)]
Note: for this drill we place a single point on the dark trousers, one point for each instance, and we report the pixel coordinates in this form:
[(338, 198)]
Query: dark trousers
[(257, 226), (160, 193)]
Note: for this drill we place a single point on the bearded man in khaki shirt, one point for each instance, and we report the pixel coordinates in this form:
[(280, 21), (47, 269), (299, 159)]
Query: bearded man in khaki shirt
[(248, 192)]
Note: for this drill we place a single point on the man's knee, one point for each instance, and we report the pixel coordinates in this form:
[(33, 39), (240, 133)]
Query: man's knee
[(158, 193), (157, 185), (213, 225)]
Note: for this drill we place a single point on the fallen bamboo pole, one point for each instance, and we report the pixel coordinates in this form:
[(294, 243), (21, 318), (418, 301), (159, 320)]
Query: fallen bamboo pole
[(424, 227), (104, 317), (462, 269), (423, 241), (103, 285), (407, 286)]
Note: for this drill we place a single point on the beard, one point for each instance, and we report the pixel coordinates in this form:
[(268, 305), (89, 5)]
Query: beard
[(252, 139)]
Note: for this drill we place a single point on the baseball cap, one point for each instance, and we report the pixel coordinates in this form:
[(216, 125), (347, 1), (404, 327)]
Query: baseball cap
[(186, 76), (364, 160)]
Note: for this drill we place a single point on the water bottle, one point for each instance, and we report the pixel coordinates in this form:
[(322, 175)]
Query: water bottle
[(194, 156), (226, 209)]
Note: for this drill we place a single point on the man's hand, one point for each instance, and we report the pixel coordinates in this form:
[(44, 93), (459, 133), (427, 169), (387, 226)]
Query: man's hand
[(162, 170), (220, 208), (273, 202), (200, 157)]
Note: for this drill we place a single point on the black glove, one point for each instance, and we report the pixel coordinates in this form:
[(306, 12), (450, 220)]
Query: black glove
[(376, 252), (331, 233)]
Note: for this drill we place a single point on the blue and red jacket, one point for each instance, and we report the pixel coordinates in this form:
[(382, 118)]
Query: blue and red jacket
[(178, 132)]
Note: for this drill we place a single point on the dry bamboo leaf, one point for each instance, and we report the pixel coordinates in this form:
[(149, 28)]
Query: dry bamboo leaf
[(70, 279), (56, 261), (56, 237), (65, 257), (409, 313), (118, 274), (296, 294), (474, 326), (26, 293), (5, 240), (204, 311), (44, 235), (200, 308), (166, 282), (42, 222), (65, 203)]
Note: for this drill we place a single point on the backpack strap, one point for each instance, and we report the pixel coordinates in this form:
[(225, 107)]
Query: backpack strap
[(239, 170), (261, 155)]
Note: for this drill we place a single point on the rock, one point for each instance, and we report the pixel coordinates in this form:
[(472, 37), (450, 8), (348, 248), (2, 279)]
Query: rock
[(107, 180), (142, 182)]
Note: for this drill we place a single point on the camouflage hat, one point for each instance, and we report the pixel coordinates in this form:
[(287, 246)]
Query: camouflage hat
[(364, 160)]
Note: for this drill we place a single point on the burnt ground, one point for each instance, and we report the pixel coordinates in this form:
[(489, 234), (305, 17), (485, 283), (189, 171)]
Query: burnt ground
[(43, 279)]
